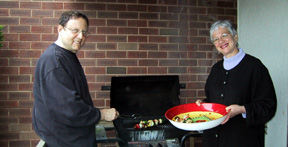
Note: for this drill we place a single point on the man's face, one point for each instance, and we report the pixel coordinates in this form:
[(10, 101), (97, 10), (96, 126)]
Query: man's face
[(69, 37)]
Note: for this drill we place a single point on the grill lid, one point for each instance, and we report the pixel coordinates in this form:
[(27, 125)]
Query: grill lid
[(144, 95)]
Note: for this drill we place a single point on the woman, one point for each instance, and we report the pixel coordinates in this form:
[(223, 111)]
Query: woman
[(242, 83)]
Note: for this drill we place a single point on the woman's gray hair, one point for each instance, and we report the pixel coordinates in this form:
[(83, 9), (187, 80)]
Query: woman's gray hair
[(223, 24)]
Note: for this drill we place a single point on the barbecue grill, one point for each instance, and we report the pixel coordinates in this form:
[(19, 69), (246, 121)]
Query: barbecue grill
[(145, 98)]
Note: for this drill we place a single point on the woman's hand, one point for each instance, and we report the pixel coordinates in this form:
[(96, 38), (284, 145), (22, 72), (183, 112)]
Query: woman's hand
[(109, 114), (198, 102), (233, 110)]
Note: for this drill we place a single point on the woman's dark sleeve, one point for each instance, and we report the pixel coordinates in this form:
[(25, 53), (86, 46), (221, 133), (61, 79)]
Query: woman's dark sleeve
[(263, 104), (64, 103)]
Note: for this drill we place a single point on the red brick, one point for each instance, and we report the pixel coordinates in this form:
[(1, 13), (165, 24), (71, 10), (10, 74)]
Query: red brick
[(168, 63), (4, 12), (196, 85), (106, 46), (4, 128), (116, 70), (19, 45), (116, 38), (197, 70), (216, 11), (8, 70), (178, 24), (3, 113), (188, 63), (41, 29), (159, 39), (178, 40), (157, 8), (116, 54), (7, 4), (20, 29), (157, 54), (188, 93), (116, 7), (148, 46), (95, 54), (88, 62), (3, 95), (30, 21), (157, 70), (137, 23), (127, 31), (19, 112), (127, 62), (26, 104), (198, 10), (30, 5), (137, 54), (28, 135), (158, 24), (9, 53), (26, 87), (94, 7), (74, 6), (8, 120), (52, 6), (95, 70), (95, 38), (202, 77), (137, 8), (127, 1), (21, 13), (198, 40), (9, 21), (106, 30), (29, 37), (49, 37), (197, 55), (177, 70), (148, 62), (137, 70), (11, 37), (116, 23), (104, 78), (128, 15), (30, 53), (8, 87), (169, 16), (4, 79), (106, 62), (168, 47), (9, 104), (19, 62), (9, 136), (19, 78), (147, 1), (97, 22), (137, 38), (50, 21), (148, 31), (107, 14), (21, 143), (40, 45), (27, 70), (25, 120)]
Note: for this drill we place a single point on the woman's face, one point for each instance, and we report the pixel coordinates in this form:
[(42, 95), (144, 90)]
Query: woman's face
[(224, 42)]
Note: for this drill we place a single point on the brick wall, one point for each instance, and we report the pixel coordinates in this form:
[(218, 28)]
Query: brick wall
[(128, 37)]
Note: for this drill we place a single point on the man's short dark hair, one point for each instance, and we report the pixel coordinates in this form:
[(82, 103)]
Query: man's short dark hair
[(66, 16)]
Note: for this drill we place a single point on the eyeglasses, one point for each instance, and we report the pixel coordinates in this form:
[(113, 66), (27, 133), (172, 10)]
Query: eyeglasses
[(222, 36), (77, 31)]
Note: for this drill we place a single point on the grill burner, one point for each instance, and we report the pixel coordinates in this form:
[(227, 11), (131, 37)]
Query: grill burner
[(145, 98)]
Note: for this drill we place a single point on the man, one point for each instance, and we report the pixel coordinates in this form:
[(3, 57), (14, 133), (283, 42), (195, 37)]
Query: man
[(63, 113)]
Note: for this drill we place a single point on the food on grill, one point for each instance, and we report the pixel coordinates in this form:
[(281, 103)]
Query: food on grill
[(196, 117), (149, 123)]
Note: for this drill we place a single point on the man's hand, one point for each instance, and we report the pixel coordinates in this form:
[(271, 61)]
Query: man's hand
[(109, 114)]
